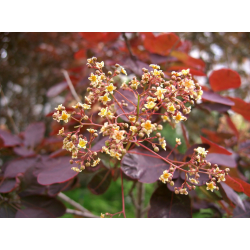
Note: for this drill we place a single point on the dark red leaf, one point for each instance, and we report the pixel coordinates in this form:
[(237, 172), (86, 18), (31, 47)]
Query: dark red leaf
[(100, 182), (213, 97), (34, 134), (18, 166), (232, 125), (222, 159), (240, 213), (23, 151), (215, 148), (96, 37), (80, 54), (224, 79), (217, 137), (241, 107), (39, 206), (7, 186), (166, 204), (143, 166), (235, 185), (9, 140), (215, 107), (161, 44), (245, 185), (56, 170)]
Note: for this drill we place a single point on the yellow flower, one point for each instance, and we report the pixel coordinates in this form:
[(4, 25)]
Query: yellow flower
[(189, 84), (61, 131), (157, 73), (86, 106), (201, 151), (148, 127), (104, 127), (93, 78), (200, 93), (78, 105), (221, 177), (123, 71), (100, 65), (192, 180), (96, 162), (150, 105), (92, 131), (132, 118), (151, 99), (179, 117), (118, 135), (60, 107), (185, 72), (135, 83), (154, 66), (65, 116), (105, 98), (165, 176), (165, 118), (76, 169), (110, 88), (211, 186), (160, 93), (133, 129), (103, 112), (162, 143), (102, 215), (82, 143), (171, 108), (90, 60), (178, 141)]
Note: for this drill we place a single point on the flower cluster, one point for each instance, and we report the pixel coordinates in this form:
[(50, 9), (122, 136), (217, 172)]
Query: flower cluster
[(170, 100)]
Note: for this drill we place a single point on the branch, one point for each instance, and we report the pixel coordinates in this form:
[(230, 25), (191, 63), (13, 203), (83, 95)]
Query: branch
[(77, 206), (71, 87), (128, 47), (80, 213)]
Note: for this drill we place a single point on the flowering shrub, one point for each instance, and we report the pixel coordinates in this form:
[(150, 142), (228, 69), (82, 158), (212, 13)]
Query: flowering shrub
[(157, 100)]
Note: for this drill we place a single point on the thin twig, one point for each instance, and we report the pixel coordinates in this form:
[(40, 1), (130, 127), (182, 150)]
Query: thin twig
[(128, 47), (76, 205), (80, 213), (71, 87), (130, 193)]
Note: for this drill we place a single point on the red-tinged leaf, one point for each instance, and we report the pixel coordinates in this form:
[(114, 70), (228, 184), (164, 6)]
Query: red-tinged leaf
[(100, 182), (135, 66), (230, 196), (224, 79), (166, 204), (217, 137), (215, 148), (215, 107), (235, 185), (222, 159), (7, 186), (39, 206), (56, 89), (241, 107), (18, 166), (80, 54), (58, 153), (232, 126), (188, 60), (240, 213), (143, 166), (161, 44), (194, 72), (9, 140), (96, 37), (213, 97), (56, 170), (7, 210), (34, 134), (23, 151), (245, 185)]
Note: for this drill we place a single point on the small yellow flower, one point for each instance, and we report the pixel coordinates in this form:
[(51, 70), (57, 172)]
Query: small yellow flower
[(157, 73), (178, 141), (60, 107), (69, 146), (86, 106), (61, 131), (135, 83), (92, 131), (102, 215), (162, 143), (65, 116), (76, 169), (202, 151), (189, 84), (100, 65), (103, 112), (199, 94), (221, 177), (211, 186), (165, 176), (96, 162), (133, 129), (90, 60), (82, 143), (165, 118), (132, 118), (110, 88), (118, 135), (179, 117), (148, 127), (160, 93), (93, 78), (154, 66), (123, 71), (171, 108), (78, 105), (105, 98), (185, 72), (192, 180), (150, 105), (151, 99)]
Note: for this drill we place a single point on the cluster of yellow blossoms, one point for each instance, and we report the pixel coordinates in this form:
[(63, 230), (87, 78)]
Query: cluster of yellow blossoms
[(169, 99)]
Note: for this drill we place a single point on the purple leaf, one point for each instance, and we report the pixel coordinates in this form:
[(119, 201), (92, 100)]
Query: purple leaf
[(221, 159), (213, 97), (100, 182), (136, 66), (56, 170), (240, 213), (9, 139), (34, 134), (166, 204), (56, 89), (144, 168), (39, 206), (228, 195), (18, 166), (23, 151), (222, 108), (7, 186)]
